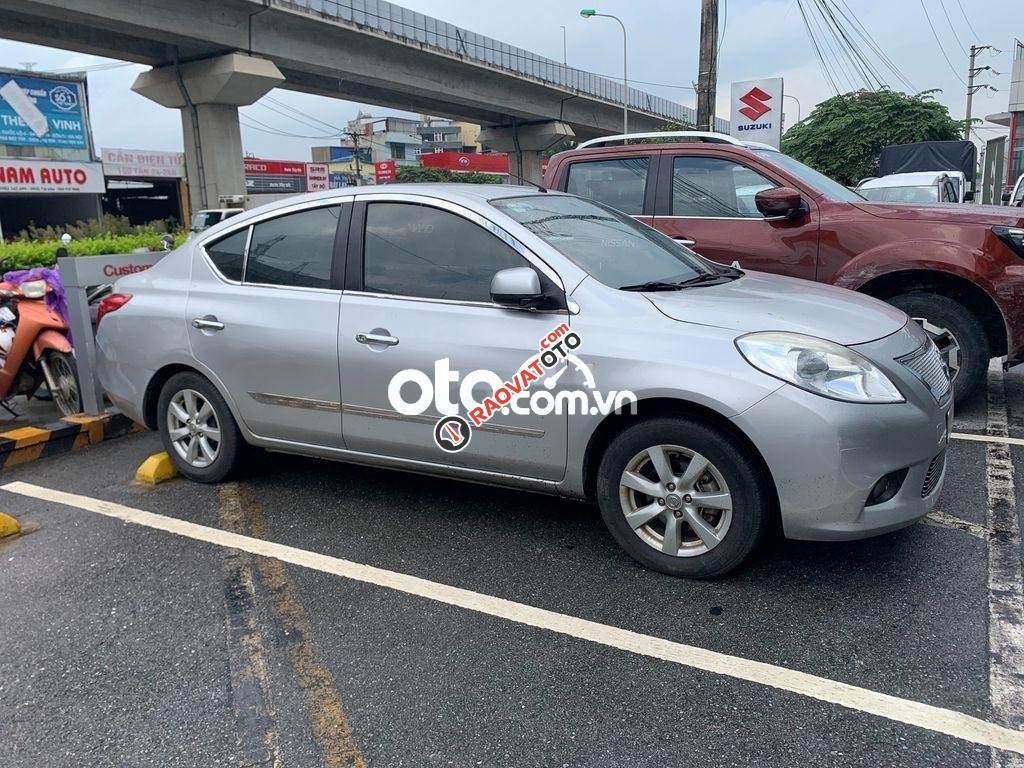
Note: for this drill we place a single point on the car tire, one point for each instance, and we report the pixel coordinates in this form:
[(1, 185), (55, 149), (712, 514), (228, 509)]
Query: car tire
[(956, 331), (210, 447), (730, 468)]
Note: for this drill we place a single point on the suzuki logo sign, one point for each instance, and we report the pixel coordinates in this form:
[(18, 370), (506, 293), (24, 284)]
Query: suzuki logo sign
[(756, 115), (755, 100)]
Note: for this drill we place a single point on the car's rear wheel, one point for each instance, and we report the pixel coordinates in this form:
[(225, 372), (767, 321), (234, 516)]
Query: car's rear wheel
[(958, 334), (683, 497), (197, 428)]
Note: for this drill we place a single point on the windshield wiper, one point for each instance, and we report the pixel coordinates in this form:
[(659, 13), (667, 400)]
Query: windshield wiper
[(666, 285)]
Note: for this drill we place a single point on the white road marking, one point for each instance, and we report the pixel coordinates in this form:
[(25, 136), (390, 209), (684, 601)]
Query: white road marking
[(1005, 582), (987, 438), (932, 718), (957, 524)]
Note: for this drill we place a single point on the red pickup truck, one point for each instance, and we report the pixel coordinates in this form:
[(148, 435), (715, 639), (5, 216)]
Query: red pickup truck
[(958, 269)]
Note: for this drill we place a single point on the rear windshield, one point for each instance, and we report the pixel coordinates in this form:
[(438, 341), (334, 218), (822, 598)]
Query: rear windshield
[(816, 179), (612, 247)]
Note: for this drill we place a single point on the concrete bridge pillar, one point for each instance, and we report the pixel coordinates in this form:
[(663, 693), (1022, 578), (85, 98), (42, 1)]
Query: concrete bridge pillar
[(209, 93), (525, 143)]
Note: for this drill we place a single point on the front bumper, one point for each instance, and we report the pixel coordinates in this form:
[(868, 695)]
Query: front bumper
[(825, 455)]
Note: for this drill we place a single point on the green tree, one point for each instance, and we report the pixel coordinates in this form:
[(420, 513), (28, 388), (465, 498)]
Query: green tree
[(416, 174), (844, 135)]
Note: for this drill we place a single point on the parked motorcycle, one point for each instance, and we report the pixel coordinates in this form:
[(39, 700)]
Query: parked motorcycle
[(34, 348)]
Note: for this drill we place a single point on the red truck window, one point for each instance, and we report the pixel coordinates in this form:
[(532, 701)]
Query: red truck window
[(715, 187), (619, 183)]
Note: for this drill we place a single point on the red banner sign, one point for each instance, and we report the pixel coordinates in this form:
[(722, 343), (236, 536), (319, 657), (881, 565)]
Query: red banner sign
[(254, 167), (385, 170), (50, 176), (467, 162)]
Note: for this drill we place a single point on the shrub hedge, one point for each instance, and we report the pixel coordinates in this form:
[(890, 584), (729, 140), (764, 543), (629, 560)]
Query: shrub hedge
[(25, 254)]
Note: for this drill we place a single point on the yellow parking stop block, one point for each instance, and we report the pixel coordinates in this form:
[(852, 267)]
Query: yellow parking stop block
[(8, 525), (156, 469)]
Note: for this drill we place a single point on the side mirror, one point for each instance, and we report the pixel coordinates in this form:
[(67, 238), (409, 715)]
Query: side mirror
[(780, 203), (517, 287), (1006, 197), (969, 196)]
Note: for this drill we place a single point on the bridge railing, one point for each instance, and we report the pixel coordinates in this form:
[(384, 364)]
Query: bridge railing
[(425, 31)]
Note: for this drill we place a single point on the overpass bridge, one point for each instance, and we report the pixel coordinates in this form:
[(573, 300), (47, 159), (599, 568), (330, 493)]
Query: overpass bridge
[(209, 58)]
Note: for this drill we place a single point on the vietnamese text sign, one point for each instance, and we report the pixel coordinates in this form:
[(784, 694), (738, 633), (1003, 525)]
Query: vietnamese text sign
[(50, 176), (385, 170), (37, 112), (139, 163), (317, 177), (756, 111)]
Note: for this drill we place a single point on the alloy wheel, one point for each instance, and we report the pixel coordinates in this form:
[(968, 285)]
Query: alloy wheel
[(947, 343), (675, 500), (193, 428)]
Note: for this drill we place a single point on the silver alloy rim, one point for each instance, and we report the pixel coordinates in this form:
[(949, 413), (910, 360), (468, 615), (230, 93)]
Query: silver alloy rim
[(675, 500), (66, 396), (948, 346), (193, 428)]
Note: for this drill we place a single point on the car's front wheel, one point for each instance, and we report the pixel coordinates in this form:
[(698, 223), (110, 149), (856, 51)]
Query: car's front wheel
[(683, 497), (957, 332), (197, 428)]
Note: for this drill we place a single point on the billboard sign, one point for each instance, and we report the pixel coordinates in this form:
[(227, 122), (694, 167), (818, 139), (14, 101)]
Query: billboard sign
[(348, 154), (274, 176), (317, 177), (756, 111), (142, 164), (40, 112), (50, 176), (385, 170), (467, 162)]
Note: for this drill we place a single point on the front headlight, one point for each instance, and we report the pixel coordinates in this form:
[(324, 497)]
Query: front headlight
[(819, 366)]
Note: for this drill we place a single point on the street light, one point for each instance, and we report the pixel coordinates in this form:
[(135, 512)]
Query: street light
[(798, 109), (588, 13)]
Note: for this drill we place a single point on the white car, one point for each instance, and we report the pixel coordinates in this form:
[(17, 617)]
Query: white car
[(918, 187), (1016, 197)]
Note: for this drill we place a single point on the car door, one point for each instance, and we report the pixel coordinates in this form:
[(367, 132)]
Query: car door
[(420, 336), (707, 203), (263, 311), (625, 182)]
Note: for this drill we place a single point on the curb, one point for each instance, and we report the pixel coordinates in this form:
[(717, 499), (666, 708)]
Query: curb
[(25, 444)]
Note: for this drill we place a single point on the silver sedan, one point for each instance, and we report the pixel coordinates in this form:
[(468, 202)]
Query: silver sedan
[(536, 340)]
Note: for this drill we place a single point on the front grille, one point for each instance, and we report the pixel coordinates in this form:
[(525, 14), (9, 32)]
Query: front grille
[(931, 477), (927, 364)]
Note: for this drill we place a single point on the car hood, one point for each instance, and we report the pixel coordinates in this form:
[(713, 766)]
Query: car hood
[(956, 213), (763, 302)]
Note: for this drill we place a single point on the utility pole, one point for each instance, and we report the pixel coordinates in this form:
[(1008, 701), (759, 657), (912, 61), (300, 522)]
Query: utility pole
[(707, 71), (972, 88), (355, 153)]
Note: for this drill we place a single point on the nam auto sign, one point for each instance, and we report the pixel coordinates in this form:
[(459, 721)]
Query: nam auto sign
[(50, 176), (756, 112), (37, 112)]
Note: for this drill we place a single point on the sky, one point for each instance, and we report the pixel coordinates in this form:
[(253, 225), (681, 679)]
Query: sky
[(762, 38)]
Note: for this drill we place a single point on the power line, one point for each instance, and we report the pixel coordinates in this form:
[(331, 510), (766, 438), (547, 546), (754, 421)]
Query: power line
[(970, 26), (296, 110), (814, 42), (951, 27), (281, 112), (278, 132), (938, 42), (853, 53), (872, 44)]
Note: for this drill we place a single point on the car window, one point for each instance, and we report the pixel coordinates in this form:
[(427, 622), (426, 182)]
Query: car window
[(296, 249), (816, 179), (619, 183), (924, 194), (612, 247), (228, 254), (714, 186), (948, 193), (426, 252)]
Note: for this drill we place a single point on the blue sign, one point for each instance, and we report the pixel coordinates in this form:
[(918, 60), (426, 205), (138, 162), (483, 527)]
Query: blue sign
[(35, 112), (347, 155)]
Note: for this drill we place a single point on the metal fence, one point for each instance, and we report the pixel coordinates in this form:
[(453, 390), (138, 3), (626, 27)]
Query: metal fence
[(422, 31)]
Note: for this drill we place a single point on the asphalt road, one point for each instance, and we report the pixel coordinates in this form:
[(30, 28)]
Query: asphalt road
[(123, 645)]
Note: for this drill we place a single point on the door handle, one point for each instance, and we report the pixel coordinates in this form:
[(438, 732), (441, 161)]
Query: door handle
[(685, 241), (208, 323), (376, 338)]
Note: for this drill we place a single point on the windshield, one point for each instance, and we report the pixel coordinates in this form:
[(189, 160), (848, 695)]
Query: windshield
[(205, 219), (828, 187), (929, 194), (610, 246)]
